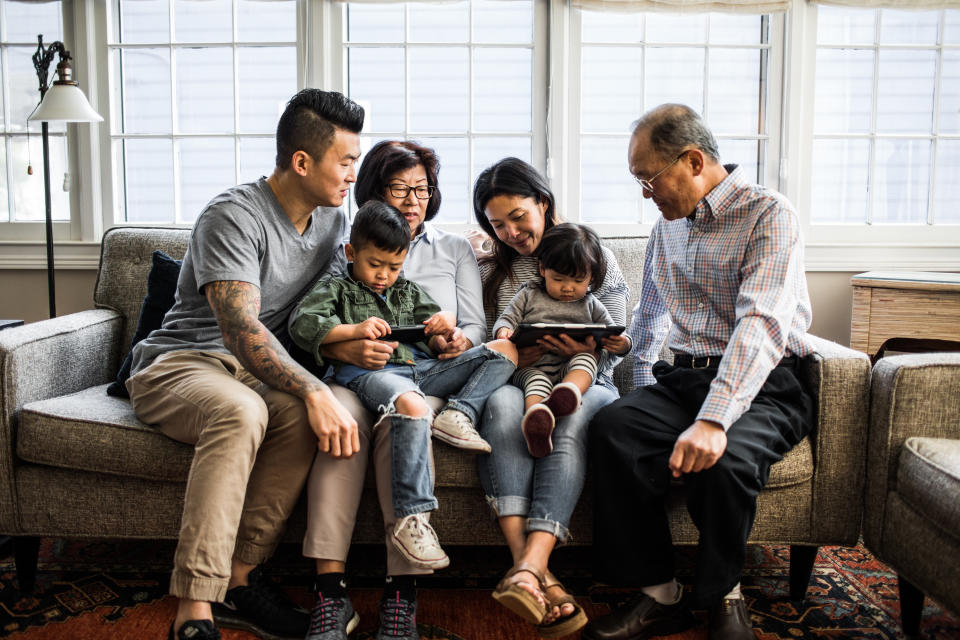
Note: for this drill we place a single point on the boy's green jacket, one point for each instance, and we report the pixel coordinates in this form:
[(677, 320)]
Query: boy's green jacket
[(343, 300)]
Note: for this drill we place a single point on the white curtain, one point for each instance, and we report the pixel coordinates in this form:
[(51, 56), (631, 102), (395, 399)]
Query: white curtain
[(919, 5)]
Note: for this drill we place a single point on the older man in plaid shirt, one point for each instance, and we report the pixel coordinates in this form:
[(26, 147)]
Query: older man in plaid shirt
[(724, 284)]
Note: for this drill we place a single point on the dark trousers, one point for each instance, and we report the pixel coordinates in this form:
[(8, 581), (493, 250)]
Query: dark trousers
[(630, 445)]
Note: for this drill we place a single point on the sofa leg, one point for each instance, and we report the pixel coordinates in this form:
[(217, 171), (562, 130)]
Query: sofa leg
[(26, 550), (801, 567), (911, 606)]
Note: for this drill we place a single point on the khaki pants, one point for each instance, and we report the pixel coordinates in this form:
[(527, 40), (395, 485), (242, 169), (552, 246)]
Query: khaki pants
[(335, 487), (253, 451)]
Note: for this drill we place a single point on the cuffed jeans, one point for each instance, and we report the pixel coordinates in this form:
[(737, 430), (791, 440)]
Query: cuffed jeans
[(544, 490), (335, 487), (253, 447), (630, 446), (467, 379)]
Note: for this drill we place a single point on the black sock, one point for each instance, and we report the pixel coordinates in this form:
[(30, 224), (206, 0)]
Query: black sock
[(405, 586), (331, 585)]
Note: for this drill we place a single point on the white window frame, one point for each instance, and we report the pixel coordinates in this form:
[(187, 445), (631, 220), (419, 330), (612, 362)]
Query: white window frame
[(320, 63)]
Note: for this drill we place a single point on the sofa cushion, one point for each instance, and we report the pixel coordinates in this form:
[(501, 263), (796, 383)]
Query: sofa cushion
[(928, 479), (91, 431), (161, 292)]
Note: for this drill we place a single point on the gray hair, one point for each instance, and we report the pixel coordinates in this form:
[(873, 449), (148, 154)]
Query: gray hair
[(675, 127)]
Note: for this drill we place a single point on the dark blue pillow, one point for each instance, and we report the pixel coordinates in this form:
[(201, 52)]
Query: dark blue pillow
[(161, 290)]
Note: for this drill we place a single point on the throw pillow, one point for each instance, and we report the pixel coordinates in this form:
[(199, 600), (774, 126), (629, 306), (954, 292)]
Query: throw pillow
[(161, 289)]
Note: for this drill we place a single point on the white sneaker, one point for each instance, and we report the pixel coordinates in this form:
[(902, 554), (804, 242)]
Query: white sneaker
[(417, 541), (456, 429)]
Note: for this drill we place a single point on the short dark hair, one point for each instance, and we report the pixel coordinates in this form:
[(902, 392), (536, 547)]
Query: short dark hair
[(381, 225), (573, 250), (386, 159), (511, 177), (675, 127), (309, 121)]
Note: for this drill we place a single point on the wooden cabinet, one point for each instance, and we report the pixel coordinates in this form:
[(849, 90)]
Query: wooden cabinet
[(919, 305)]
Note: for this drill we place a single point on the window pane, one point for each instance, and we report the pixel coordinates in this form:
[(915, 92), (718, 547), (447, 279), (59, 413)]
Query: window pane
[(950, 93), (603, 26), (146, 91), (674, 75), (144, 21), (205, 90), (268, 77), (375, 23), (839, 191), (951, 30), (611, 95), (905, 91), (487, 151), (672, 27), (24, 20), (734, 105), (844, 91), (503, 21), (267, 21), (22, 87), (908, 27), (203, 21), (901, 184), (4, 192), (439, 91), (744, 153), (837, 25), (502, 90), (947, 192), (29, 201), (206, 169), (149, 180), (608, 191), (376, 81), (454, 178), (441, 22), (257, 158), (733, 28)]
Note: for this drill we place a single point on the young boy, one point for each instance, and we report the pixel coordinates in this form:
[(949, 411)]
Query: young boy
[(365, 304)]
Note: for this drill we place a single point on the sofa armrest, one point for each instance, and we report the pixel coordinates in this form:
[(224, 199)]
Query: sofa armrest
[(911, 395), (840, 381), (45, 360)]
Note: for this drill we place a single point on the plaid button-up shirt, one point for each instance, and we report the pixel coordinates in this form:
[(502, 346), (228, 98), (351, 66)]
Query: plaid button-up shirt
[(728, 280)]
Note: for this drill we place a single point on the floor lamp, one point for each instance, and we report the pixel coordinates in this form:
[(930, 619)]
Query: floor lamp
[(64, 102)]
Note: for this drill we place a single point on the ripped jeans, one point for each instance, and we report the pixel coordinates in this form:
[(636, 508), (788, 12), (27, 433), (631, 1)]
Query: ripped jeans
[(467, 379)]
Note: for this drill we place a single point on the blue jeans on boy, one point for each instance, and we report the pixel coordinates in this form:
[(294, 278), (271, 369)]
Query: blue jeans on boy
[(467, 379)]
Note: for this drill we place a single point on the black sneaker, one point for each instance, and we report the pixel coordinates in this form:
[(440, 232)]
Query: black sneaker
[(332, 619), (263, 609), (398, 618), (195, 630)]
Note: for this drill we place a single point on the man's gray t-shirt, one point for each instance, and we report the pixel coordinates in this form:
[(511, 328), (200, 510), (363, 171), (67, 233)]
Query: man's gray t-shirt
[(243, 234)]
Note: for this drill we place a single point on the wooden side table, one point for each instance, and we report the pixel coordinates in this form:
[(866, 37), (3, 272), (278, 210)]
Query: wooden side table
[(917, 305)]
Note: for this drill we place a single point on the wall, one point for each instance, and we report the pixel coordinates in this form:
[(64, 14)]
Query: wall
[(23, 295)]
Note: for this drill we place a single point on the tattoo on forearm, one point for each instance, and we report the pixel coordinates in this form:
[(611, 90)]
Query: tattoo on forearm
[(237, 308)]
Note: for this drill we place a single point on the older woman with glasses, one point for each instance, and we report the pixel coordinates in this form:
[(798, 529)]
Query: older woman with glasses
[(404, 175)]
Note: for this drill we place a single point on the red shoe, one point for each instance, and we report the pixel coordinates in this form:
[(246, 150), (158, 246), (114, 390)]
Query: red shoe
[(537, 427), (564, 399)]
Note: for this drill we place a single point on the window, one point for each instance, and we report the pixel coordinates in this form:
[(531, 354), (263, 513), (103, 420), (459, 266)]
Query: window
[(461, 78), (22, 193), (886, 144), (196, 91), (631, 62)]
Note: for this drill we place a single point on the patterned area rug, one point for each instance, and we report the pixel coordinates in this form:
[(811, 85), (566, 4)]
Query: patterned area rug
[(117, 590)]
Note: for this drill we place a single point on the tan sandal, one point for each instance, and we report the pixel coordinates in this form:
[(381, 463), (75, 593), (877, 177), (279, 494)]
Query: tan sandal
[(517, 599), (564, 625)]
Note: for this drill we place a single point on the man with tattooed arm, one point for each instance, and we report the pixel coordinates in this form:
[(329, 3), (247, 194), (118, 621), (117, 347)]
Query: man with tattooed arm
[(217, 376)]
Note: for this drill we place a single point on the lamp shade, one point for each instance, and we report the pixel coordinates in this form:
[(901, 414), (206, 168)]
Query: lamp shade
[(65, 102)]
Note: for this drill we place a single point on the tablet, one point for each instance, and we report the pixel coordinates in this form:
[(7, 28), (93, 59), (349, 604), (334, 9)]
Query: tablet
[(408, 334), (528, 334)]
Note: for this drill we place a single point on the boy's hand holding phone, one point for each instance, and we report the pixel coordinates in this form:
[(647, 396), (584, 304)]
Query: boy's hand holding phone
[(371, 328)]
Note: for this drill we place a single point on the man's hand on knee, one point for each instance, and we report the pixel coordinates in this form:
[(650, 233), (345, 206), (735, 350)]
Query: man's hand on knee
[(698, 448), (335, 428)]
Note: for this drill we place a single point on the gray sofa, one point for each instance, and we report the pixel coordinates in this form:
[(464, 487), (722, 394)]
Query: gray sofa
[(912, 518), (75, 462)]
